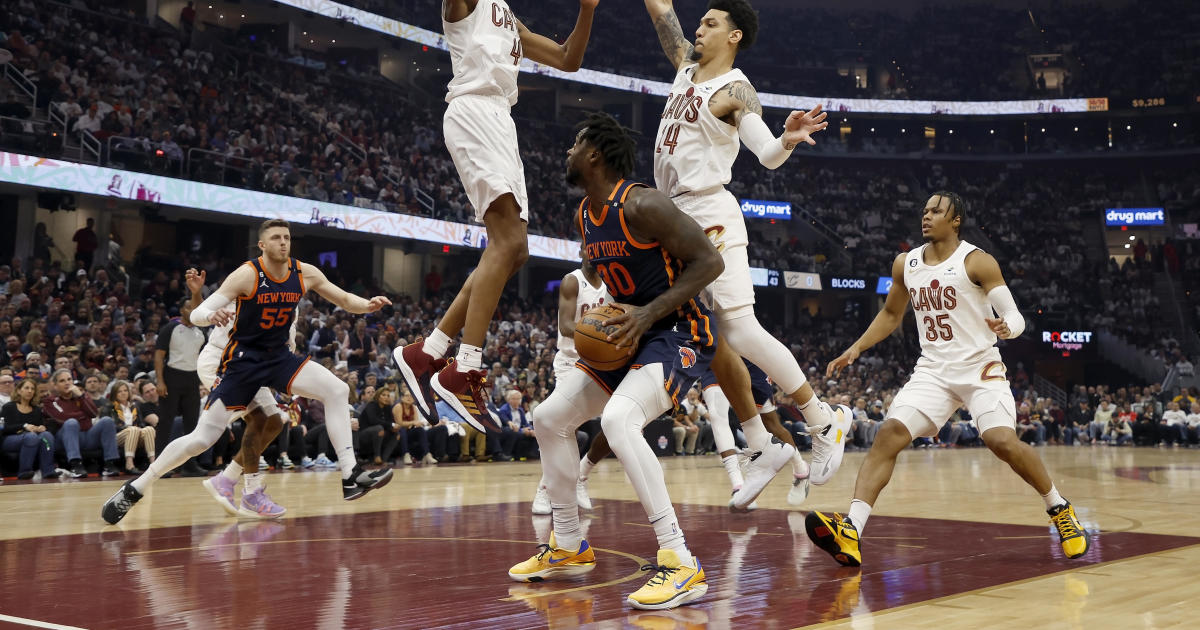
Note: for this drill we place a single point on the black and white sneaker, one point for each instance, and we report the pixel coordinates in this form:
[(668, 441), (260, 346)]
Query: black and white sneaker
[(77, 470), (363, 481), (119, 504)]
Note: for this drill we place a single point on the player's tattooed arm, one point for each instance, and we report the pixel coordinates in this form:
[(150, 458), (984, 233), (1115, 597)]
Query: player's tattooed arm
[(670, 34), (746, 101)]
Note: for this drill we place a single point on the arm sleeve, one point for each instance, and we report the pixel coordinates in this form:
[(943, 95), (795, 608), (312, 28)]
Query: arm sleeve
[(758, 138), (210, 305), (1002, 302)]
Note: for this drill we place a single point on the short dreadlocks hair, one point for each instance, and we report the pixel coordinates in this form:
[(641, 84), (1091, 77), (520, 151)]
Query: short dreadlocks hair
[(958, 207), (611, 140), (742, 17)]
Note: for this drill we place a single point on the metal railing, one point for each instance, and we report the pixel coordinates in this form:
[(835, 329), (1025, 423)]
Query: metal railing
[(423, 198), (135, 149), (59, 119), (14, 74), (89, 145), (1049, 390)]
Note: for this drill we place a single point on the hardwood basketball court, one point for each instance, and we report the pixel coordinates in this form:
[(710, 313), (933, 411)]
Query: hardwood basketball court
[(956, 541)]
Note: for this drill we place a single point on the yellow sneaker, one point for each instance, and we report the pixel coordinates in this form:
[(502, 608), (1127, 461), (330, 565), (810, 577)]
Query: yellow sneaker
[(1074, 537), (673, 584), (550, 561), (836, 536)]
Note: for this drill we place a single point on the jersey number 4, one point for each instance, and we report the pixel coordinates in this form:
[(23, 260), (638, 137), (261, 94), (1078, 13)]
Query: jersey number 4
[(275, 318), (517, 52), (939, 328), (670, 139)]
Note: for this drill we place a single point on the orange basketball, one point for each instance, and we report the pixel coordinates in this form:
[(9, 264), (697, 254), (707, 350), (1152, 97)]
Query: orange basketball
[(591, 339)]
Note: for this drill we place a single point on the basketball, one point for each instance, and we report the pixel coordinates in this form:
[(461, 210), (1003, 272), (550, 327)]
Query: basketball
[(591, 339)]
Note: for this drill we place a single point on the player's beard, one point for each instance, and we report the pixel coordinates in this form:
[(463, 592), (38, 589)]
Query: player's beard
[(696, 55), (573, 175)]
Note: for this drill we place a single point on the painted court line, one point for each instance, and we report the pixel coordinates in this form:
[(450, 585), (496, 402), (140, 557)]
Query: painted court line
[(37, 624)]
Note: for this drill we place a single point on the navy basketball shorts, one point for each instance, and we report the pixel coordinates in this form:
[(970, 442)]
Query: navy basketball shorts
[(760, 384), (245, 371), (684, 360)]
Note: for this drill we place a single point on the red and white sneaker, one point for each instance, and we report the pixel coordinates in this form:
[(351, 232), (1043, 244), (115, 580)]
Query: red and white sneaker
[(465, 392), (417, 368)]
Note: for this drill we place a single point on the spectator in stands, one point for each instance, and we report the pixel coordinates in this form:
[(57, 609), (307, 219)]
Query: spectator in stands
[(376, 441), (1100, 419), (90, 121), (685, 430), (1172, 427), (410, 427), (1193, 424), (1119, 431), (86, 243), (359, 351), (863, 427), (23, 433), (1075, 425), (695, 408), (72, 417), (7, 385), (131, 429)]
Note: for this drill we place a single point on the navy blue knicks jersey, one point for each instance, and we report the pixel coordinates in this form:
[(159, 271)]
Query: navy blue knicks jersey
[(634, 272), (264, 318)]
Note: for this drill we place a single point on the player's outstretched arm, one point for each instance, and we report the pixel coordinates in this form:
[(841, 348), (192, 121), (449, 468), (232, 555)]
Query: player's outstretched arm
[(884, 323), (739, 106), (212, 311), (568, 291), (567, 56), (982, 269), (670, 34), (652, 217), (315, 280)]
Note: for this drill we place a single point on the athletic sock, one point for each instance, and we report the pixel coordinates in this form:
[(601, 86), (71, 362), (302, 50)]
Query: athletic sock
[(1053, 498), (253, 481), (799, 466), (816, 414), (232, 471), (670, 536), (733, 470), (567, 532), (469, 358), (860, 511), (585, 467), (757, 436), (436, 344)]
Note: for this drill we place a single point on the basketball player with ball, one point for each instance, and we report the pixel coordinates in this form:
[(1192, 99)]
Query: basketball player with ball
[(658, 339), (713, 109)]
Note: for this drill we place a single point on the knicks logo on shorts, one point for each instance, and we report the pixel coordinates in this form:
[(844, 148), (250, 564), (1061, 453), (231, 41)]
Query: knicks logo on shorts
[(216, 382), (687, 357)]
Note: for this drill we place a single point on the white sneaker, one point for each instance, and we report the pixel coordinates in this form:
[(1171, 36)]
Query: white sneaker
[(428, 460), (760, 471), (581, 496), (262, 463), (541, 501), (408, 459), (799, 491), (749, 508), (285, 462), (829, 444)]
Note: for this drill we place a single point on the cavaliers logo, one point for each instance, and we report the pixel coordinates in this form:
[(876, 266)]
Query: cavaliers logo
[(687, 357), (716, 234)]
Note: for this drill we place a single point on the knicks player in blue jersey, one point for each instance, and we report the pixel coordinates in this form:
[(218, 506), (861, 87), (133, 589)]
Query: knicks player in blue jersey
[(266, 291), (654, 261)]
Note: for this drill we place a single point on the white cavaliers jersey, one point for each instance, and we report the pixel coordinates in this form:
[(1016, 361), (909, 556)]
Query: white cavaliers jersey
[(588, 298), (950, 309), (485, 52), (695, 150)]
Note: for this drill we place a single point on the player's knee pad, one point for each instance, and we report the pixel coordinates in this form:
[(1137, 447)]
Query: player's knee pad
[(746, 336)]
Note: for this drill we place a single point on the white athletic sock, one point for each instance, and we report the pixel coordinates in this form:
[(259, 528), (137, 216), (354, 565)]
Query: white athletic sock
[(859, 513), (733, 470), (1053, 498), (436, 344), (232, 471), (469, 358), (567, 532), (816, 415), (757, 436), (585, 467), (670, 536), (254, 481), (799, 466)]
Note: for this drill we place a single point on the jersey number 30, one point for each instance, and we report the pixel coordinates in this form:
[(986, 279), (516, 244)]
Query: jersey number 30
[(940, 328), (616, 277), (275, 318)]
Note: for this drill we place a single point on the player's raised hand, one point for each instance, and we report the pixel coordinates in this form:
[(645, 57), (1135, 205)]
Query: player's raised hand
[(634, 321), (800, 126), (836, 366), (195, 280), (999, 327), (376, 303)]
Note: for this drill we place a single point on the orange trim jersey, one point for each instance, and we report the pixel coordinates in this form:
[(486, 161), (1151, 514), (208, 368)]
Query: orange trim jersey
[(264, 319), (635, 272)]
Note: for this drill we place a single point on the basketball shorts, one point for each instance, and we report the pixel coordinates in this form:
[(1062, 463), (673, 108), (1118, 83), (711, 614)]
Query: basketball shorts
[(482, 140), (206, 368), (684, 360), (563, 364), (760, 386), (719, 214), (934, 391), (248, 371)]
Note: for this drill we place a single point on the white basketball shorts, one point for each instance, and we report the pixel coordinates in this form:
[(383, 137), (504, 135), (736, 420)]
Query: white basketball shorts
[(933, 392), (482, 140), (717, 212)]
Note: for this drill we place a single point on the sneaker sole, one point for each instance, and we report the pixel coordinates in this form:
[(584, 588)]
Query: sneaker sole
[(452, 400), (568, 571), (229, 507), (413, 383), (692, 594), (245, 513), (813, 526), (749, 493), (835, 462)]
